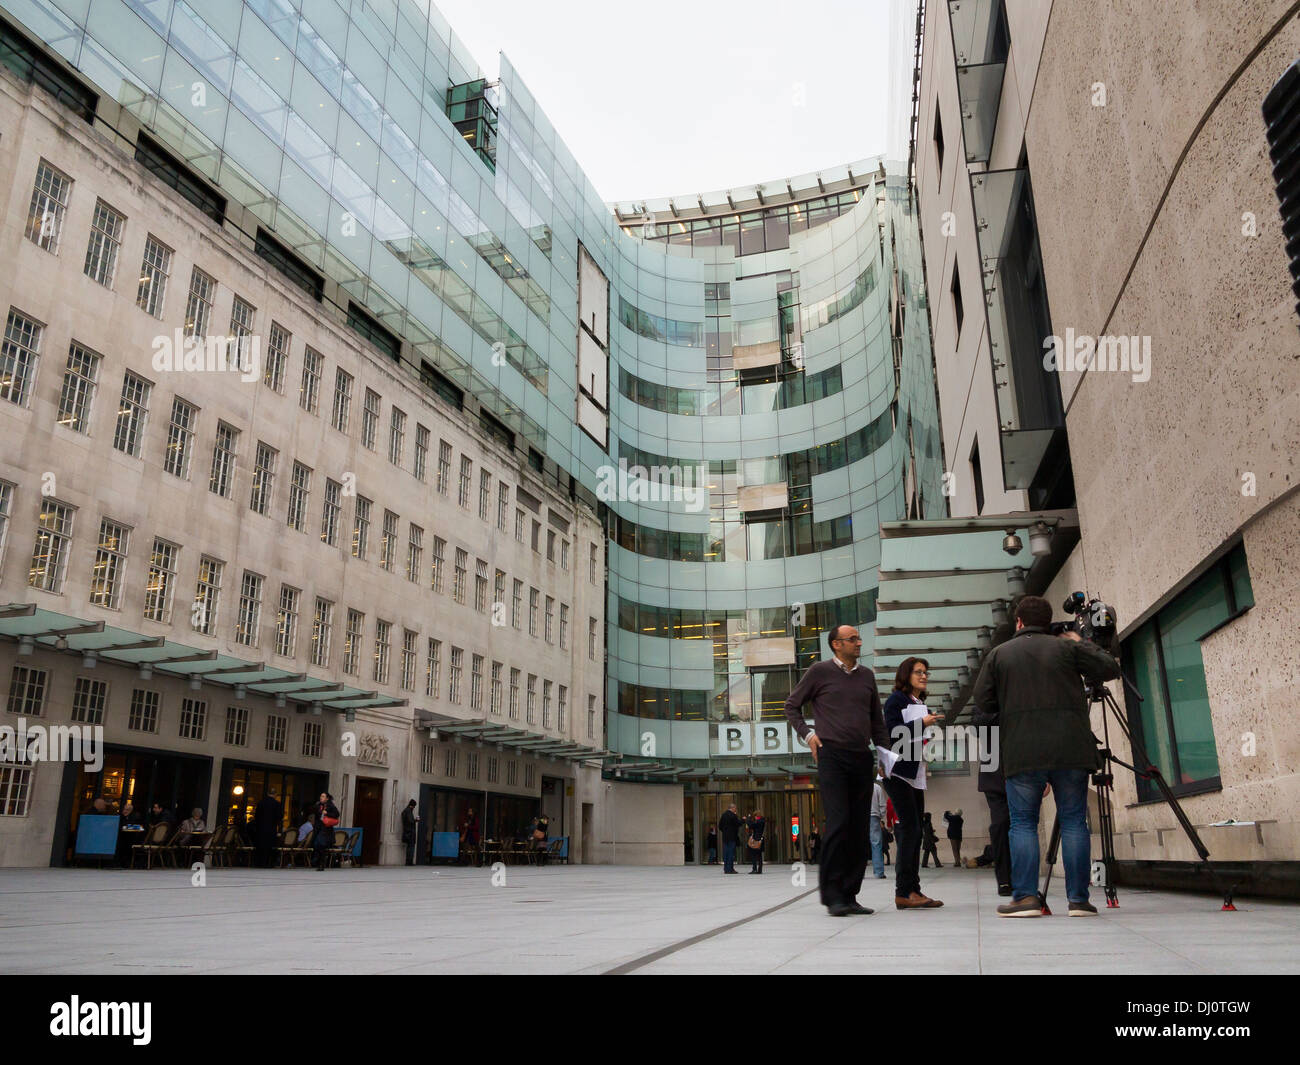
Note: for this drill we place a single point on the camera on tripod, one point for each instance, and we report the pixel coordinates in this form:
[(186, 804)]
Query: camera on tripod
[(1093, 621)]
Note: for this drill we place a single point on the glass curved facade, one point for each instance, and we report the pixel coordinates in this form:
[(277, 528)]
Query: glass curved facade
[(777, 347)]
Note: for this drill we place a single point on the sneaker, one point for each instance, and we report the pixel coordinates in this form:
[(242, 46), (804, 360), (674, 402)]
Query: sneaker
[(1030, 906), (1005, 890), (1083, 909)]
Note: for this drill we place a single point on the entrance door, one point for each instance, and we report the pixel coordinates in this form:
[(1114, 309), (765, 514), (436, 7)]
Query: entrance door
[(368, 813)]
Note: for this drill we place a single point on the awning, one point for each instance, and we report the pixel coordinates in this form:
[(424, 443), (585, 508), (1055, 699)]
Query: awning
[(520, 741), (947, 588), (94, 641)]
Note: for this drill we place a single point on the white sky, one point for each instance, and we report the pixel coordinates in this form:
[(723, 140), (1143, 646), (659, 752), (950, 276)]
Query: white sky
[(676, 97)]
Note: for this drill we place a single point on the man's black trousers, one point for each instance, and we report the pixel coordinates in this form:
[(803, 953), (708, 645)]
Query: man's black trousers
[(999, 834), (845, 778)]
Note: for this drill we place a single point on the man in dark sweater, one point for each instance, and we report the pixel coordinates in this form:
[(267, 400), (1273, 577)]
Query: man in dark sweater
[(729, 826), (1032, 688), (847, 719)]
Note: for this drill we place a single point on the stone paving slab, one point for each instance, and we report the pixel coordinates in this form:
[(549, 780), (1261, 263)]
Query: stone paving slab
[(592, 919)]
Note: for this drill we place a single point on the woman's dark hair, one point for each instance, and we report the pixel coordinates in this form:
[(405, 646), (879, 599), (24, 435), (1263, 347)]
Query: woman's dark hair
[(903, 678)]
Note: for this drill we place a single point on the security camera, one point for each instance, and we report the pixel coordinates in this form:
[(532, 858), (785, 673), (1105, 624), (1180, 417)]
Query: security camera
[(1011, 543)]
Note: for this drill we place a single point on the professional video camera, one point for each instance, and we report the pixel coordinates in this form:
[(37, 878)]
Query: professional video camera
[(1093, 621)]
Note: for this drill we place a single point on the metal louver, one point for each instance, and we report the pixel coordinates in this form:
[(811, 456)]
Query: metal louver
[(1282, 118)]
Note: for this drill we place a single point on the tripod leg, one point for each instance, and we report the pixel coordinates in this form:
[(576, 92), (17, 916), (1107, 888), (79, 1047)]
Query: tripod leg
[(1053, 846)]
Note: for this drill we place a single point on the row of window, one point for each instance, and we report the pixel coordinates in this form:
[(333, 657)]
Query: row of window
[(732, 397), (452, 763), (29, 690)]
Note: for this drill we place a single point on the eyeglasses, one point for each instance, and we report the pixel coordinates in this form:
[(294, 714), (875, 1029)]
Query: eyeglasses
[(919, 672)]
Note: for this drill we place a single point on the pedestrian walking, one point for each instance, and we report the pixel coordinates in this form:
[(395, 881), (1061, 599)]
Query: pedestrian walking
[(410, 827), (929, 843), (954, 822), (712, 844)]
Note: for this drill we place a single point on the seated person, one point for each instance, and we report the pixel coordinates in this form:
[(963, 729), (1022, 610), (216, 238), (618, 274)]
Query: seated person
[(191, 825)]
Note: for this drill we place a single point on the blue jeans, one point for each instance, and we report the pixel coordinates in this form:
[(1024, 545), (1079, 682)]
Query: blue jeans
[(877, 848), (1024, 798), (728, 856)]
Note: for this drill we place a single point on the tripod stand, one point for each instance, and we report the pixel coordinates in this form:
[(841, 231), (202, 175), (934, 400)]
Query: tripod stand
[(1104, 779)]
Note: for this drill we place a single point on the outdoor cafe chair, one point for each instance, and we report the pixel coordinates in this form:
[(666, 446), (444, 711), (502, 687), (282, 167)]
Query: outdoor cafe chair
[(155, 842)]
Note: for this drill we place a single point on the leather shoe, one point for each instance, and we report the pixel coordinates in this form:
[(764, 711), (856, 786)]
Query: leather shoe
[(930, 903), (912, 902), (839, 909), (858, 908)]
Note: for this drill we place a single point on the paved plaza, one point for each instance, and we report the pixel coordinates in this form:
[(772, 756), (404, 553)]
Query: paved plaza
[(597, 919)]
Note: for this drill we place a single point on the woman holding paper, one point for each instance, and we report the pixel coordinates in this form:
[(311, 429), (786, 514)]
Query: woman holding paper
[(906, 716)]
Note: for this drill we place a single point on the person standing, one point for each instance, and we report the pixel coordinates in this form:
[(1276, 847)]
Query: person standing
[(729, 826), (848, 719), (410, 826), (712, 844), (327, 820), (1032, 686), (815, 841), (757, 827), (878, 802), (954, 822), (267, 818), (905, 715), (929, 843)]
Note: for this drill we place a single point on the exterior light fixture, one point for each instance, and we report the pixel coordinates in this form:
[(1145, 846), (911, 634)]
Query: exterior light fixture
[(26, 645), (963, 674), (1040, 539), (146, 671), (238, 789), (348, 715), (315, 709), (89, 660), (973, 660), (240, 691), (1016, 581), (196, 682), (999, 611), (61, 644), (279, 701), (985, 637)]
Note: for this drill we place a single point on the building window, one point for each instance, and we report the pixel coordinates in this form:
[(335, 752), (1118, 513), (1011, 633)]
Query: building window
[(388, 542), (958, 310), (286, 622), (546, 704), (938, 141), (532, 699), (476, 683), (396, 435), (162, 581), (49, 204), (27, 689), (534, 602), (241, 336), (312, 733), (263, 479), (352, 642), (494, 696), (383, 636), (519, 525), (299, 490), (562, 708), (564, 555), (449, 762), (484, 494), (408, 660), (154, 270), (15, 789), (591, 717), (426, 758), (89, 699), (480, 586), (433, 669), (277, 731), (564, 626), (6, 507), (18, 358), (131, 414), (499, 598), (110, 563), (237, 726), (361, 528), (198, 305), (414, 554), (591, 564), (550, 545), (591, 638), (105, 243), (194, 719), (444, 466), (309, 390), (421, 452), (530, 776), (457, 669), (277, 358), (514, 695), (1175, 718), (250, 610), (222, 481), (471, 765), (550, 619), (342, 400), (459, 576), (466, 476), (517, 604), (370, 419), (493, 769), (52, 546), (332, 514), (207, 596), (512, 774), (322, 632), (439, 557), (180, 437), (977, 476), (144, 711), (537, 537), (503, 504)]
